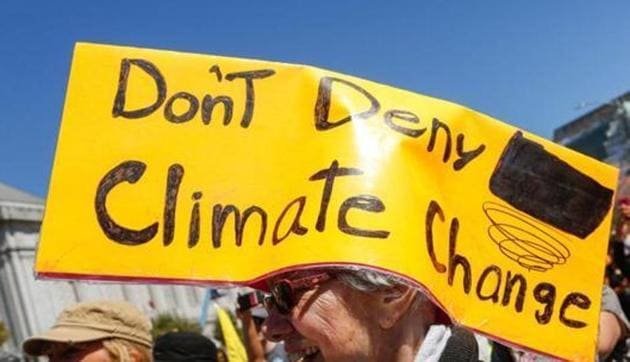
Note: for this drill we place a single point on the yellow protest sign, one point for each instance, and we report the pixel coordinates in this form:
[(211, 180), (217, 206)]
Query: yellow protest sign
[(175, 167), (233, 346)]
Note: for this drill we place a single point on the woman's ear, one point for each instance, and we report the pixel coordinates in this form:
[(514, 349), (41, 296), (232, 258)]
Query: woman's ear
[(394, 303)]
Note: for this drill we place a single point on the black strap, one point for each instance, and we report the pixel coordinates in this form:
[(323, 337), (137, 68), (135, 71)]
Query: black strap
[(460, 347), (500, 353)]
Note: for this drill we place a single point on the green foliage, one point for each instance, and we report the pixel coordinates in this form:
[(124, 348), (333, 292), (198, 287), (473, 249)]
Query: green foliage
[(167, 322), (4, 333)]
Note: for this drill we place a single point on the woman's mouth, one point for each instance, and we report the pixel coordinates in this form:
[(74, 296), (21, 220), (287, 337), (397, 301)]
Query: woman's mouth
[(307, 354)]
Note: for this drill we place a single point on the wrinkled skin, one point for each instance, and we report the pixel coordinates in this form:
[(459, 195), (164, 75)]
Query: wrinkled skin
[(337, 321)]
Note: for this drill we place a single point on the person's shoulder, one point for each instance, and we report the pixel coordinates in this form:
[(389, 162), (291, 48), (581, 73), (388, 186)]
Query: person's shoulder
[(611, 304)]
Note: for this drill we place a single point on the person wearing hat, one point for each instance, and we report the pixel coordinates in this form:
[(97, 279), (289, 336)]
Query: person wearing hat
[(99, 331), (184, 347), (258, 348)]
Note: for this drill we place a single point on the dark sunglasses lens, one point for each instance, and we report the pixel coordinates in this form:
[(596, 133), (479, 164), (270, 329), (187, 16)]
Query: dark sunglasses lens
[(283, 296)]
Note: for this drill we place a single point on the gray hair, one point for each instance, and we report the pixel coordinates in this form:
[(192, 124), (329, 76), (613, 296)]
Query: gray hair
[(369, 280)]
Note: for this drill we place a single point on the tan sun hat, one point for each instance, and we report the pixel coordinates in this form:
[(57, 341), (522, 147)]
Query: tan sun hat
[(92, 321)]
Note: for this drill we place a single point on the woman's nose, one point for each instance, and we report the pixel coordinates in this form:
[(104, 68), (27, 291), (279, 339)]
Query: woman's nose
[(276, 327)]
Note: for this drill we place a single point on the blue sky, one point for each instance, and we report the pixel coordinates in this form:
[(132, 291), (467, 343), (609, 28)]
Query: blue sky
[(527, 63)]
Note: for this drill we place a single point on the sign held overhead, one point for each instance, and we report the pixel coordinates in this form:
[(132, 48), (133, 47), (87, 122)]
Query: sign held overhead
[(184, 168)]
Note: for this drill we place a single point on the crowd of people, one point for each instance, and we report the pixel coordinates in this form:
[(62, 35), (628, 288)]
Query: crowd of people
[(325, 314), (348, 314), (310, 315)]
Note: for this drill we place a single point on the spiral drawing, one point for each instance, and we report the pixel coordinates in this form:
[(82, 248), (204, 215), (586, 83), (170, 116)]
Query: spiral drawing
[(523, 239)]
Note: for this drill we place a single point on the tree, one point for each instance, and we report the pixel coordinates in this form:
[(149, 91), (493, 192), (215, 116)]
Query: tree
[(167, 322)]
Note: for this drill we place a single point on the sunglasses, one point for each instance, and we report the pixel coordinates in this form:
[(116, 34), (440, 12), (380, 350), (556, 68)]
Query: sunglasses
[(283, 292)]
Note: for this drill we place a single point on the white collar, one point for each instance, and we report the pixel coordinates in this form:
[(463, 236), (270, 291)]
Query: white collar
[(433, 344)]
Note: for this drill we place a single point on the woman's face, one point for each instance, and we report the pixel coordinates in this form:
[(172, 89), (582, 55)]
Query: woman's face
[(328, 323), (80, 352)]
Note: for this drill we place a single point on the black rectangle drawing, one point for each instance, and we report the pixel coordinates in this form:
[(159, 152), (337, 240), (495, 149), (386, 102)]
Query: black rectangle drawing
[(542, 185)]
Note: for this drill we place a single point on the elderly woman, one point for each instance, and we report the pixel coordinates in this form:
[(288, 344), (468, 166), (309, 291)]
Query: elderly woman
[(359, 315)]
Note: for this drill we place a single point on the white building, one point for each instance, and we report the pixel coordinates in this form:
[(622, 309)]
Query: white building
[(29, 306)]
